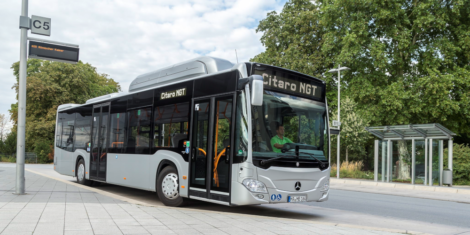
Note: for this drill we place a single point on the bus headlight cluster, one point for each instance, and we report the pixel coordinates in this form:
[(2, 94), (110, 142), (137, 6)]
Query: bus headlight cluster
[(255, 186)]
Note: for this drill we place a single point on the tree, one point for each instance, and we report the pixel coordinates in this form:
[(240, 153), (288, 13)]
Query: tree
[(9, 146), (353, 133), (293, 40), (42, 149), (50, 84), (409, 59), (3, 127)]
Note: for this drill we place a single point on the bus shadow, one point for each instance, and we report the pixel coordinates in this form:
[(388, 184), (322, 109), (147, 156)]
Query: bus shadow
[(281, 210)]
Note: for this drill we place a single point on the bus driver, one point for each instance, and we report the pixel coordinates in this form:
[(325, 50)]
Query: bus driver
[(278, 141)]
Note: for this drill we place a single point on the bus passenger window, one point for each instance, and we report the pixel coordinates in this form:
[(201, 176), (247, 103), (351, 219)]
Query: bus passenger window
[(138, 139), (68, 125), (117, 132), (171, 125), (82, 130)]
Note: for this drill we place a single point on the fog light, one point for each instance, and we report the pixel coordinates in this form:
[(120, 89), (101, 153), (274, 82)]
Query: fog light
[(260, 196)]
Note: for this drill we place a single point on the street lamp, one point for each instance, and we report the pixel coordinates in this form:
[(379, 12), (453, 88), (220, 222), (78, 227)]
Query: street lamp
[(339, 69)]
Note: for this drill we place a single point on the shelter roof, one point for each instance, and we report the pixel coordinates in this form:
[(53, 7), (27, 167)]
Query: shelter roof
[(412, 131)]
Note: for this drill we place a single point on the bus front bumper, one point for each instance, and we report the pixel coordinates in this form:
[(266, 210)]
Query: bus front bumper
[(242, 196)]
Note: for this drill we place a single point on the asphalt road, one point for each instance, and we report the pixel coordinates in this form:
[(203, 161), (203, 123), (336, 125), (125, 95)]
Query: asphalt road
[(408, 208), (358, 208)]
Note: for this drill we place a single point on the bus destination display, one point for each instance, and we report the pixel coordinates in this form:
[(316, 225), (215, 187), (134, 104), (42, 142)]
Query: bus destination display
[(173, 94), (46, 51), (278, 80)]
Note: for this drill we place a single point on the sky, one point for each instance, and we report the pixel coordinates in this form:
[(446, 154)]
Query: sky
[(125, 38)]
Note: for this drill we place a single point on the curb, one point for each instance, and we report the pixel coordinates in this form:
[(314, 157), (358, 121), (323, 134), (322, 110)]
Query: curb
[(137, 202), (402, 186)]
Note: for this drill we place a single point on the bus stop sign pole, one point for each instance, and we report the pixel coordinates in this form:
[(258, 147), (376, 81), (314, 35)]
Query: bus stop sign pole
[(20, 145)]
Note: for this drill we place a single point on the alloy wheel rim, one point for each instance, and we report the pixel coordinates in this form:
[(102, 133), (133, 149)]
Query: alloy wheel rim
[(81, 172), (170, 186)]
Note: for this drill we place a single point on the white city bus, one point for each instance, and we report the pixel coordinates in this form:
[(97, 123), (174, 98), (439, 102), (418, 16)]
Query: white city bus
[(204, 129)]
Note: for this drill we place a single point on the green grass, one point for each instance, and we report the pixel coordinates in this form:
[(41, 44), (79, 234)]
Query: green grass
[(7, 159)]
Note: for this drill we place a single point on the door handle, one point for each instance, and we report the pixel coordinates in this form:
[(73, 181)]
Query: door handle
[(227, 154)]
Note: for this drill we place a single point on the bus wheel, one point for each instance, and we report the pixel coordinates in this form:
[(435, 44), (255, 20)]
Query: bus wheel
[(81, 174), (168, 187)]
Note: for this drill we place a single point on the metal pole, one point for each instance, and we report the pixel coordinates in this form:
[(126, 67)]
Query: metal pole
[(376, 160), (390, 162), (389, 157), (20, 148), (337, 137), (384, 148), (451, 153), (441, 160), (426, 161), (430, 163), (413, 161)]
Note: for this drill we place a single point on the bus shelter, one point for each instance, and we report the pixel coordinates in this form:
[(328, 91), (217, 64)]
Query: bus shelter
[(426, 142)]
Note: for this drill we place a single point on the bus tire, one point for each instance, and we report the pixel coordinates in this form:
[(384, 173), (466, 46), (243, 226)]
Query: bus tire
[(168, 187), (81, 170)]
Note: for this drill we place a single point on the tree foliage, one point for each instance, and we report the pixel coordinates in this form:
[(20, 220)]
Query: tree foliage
[(9, 144), (409, 59), (460, 164), (50, 84), (353, 123)]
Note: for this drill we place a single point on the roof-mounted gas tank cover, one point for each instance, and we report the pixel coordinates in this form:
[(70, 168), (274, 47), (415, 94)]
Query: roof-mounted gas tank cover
[(188, 69)]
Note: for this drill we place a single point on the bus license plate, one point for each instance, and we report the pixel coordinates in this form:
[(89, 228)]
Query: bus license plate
[(297, 199)]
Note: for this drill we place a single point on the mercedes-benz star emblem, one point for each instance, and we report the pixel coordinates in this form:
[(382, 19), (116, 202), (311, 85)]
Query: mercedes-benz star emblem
[(297, 185)]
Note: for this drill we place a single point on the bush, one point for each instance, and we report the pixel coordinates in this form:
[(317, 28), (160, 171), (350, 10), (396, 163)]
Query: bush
[(351, 170), (42, 149), (461, 164)]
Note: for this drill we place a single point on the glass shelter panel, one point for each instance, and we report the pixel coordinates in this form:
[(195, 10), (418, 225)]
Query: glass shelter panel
[(434, 173), (402, 161), (419, 162), (382, 160)]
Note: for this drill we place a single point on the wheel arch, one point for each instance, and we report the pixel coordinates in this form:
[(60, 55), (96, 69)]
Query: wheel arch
[(164, 158), (164, 163), (79, 157)]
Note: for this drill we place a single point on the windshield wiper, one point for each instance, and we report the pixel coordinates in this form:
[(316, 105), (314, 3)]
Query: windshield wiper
[(322, 164), (263, 162)]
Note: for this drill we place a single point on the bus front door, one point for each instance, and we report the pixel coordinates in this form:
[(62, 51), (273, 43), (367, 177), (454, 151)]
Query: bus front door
[(99, 133), (210, 149)]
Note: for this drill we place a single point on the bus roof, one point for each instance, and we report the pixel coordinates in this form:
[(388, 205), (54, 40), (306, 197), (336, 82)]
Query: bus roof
[(187, 69), (197, 67)]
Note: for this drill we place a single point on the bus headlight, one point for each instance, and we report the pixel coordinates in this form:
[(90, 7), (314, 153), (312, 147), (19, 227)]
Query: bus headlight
[(255, 186)]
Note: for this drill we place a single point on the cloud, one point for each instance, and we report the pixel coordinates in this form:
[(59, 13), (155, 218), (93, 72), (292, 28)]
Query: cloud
[(126, 38)]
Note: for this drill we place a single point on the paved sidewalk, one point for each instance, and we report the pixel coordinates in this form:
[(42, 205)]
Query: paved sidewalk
[(55, 207), (455, 194)]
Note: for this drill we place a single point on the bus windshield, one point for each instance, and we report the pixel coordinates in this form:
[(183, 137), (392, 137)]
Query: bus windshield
[(285, 123)]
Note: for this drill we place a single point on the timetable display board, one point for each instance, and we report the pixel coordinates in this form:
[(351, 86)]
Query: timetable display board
[(48, 51)]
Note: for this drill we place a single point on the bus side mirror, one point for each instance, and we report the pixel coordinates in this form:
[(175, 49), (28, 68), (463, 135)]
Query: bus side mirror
[(256, 90)]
